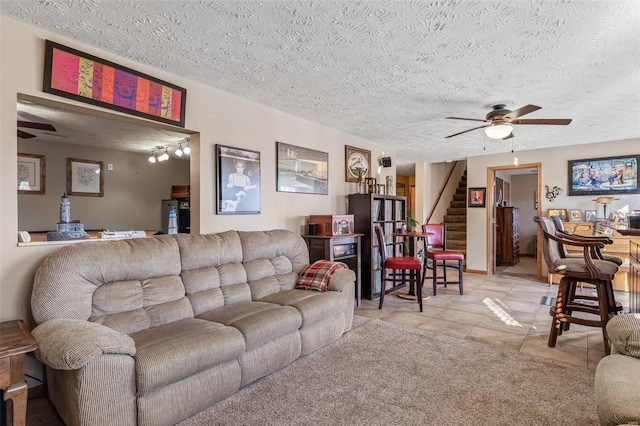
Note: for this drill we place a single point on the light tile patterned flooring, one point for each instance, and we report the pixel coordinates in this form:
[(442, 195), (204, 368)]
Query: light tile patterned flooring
[(502, 310)]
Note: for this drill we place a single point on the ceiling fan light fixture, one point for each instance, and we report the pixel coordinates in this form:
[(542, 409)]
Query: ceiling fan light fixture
[(498, 131)]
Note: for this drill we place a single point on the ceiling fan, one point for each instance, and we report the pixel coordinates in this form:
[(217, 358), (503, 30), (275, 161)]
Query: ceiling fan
[(501, 120), (31, 125)]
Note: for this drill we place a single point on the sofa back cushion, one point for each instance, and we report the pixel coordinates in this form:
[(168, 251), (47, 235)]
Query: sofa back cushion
[(128, 285), (236, 266)]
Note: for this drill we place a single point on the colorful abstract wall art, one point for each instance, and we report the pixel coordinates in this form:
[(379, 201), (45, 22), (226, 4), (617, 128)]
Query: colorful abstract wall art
[(86, 78)]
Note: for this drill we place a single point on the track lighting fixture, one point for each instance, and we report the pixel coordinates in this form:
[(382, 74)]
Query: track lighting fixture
[(161, 152)]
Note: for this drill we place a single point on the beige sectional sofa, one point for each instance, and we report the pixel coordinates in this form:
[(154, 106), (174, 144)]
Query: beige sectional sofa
[(617, 380), (150, 331)]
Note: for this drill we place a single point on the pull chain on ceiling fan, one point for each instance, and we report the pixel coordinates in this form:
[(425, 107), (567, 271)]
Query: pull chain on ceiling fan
[(501, 121)]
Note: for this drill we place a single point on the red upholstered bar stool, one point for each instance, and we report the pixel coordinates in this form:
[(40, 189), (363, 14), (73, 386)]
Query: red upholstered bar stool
[(437, 252), (398, 265)]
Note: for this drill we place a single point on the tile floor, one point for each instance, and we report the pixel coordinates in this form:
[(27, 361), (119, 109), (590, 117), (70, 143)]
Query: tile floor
[(501, 310)]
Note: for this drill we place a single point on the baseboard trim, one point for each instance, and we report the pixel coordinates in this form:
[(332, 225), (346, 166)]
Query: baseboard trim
[(476, 271)]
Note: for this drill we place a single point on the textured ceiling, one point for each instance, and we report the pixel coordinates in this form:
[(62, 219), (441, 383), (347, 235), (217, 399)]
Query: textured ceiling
[(388, 71)]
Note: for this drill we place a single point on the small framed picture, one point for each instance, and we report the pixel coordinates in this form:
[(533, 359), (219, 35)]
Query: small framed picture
[(85, 177), (31, 174), (561, 213), (575, 215), (590, 215), (477, 197)]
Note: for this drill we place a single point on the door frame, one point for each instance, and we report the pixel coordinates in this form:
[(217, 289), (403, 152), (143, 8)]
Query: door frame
[(491, 214)]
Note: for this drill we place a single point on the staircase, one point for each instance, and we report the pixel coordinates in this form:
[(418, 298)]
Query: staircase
[(455, 220)]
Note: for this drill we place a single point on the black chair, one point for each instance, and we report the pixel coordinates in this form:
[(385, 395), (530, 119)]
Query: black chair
[(599, 273), (397, 265)]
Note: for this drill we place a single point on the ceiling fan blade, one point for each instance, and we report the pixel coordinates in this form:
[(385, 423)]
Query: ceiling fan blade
[(521, 111), (554, 121), (468, 119), (475, 128), (38, 126), (25, 135)]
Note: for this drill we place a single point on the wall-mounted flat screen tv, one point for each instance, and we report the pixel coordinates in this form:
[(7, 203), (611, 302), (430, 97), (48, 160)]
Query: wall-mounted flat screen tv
[(607, 175)]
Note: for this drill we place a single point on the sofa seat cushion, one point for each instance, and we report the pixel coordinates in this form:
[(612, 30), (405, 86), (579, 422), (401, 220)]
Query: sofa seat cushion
[(258, 322), (313, 306), (617, 390), (624, 332), (170, 352)]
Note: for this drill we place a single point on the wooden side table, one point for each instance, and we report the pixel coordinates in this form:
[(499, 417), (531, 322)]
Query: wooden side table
[(15, 342), (340, 248)]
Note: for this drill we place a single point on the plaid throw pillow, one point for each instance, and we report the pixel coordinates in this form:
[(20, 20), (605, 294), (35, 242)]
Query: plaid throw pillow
[(317, 275)]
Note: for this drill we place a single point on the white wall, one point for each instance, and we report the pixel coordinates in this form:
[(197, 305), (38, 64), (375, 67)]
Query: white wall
[(216, 116), (554, 172)]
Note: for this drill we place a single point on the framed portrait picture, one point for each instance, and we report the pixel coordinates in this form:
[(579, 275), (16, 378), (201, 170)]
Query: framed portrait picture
[(76, 75), (301, 169), (357, 163), (31, 174), (590, 215), (85, 177), (575, 215), (477, 197), (562, 213), (238, 180)]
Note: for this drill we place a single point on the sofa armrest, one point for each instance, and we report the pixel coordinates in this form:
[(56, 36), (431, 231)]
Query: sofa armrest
[(341, 278), (66, 344), (624, 333)]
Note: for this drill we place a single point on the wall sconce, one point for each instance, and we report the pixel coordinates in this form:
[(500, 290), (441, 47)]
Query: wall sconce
[(552, 193)]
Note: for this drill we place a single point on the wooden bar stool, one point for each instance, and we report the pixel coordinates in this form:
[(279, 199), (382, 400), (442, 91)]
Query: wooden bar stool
[(597, 272), (436, 252)]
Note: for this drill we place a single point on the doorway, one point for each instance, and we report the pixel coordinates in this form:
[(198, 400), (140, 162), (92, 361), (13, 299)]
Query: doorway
[(517, 188)]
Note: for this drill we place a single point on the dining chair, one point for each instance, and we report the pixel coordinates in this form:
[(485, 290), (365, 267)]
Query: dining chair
[(436, 251), (397, 266), (599, 273)]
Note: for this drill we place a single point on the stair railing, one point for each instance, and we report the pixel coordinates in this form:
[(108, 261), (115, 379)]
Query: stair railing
[(444, 186)]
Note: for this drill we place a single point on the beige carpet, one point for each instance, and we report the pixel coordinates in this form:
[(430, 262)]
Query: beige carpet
[(385, 374)]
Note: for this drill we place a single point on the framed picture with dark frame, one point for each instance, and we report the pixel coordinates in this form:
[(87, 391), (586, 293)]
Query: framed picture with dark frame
[(76, 75), (31, 174), (477, 197), (85, 177), (605, 175), (357, 161), (238, 180), (301, 170)]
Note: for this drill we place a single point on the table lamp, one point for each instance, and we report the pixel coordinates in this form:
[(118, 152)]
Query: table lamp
[(604, 201)]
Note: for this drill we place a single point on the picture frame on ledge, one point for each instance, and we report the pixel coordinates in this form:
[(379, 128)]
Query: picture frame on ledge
[(575, 215), (85, 177), (31, 174), (301, 170), (477, 197), (562, 213), (590, 215), (238, 180)]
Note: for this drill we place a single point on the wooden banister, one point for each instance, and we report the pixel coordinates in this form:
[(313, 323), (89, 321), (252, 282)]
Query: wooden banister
[(444, 186)]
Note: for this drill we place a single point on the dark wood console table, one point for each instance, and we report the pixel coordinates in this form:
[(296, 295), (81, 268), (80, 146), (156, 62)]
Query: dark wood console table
[(15, 342), (339, 248)]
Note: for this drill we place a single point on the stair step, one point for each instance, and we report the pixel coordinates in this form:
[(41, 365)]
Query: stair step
[(460, 197), (457, 211), (456, 227), (456, 235), (456, 245), (461, 190), (461, 204), (455, 219)]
